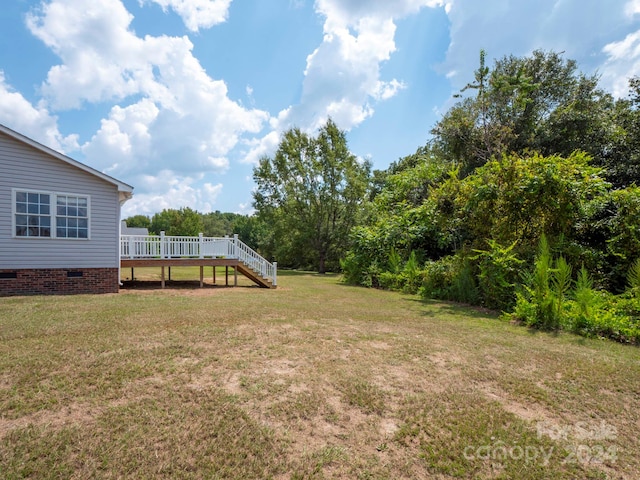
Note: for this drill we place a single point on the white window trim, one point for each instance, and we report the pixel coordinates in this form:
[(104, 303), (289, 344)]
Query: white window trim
[(53, 198)]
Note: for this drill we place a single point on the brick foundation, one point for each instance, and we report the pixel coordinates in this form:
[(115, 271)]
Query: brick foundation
[(58, 281)]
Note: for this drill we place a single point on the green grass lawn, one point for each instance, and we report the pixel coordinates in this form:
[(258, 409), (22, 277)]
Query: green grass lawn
[(312, 380)]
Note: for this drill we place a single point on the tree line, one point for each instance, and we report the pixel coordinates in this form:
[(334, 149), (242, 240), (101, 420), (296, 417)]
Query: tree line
[(524, 200), (188, 222)]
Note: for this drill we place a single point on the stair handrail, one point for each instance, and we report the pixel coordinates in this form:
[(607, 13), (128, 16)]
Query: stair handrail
[(254, 260)]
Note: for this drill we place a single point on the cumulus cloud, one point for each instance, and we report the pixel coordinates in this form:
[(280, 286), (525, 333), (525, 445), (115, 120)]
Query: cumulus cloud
[(171, 115), (343, 74), (17, 113), (343, 78), (632, 8), (623, 55), (259, 147), (155, 193), (197, 14), (623, 63), (341, 12)]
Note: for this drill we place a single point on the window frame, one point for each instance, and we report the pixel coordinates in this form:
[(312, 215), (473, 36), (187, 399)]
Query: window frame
[(53, 216)]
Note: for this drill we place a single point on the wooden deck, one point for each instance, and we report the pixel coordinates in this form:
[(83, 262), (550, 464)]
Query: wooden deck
[(228, 263), (165, 252)]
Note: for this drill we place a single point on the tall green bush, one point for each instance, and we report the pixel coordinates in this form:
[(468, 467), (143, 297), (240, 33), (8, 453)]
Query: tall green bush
[(498, 273), (540, 300)]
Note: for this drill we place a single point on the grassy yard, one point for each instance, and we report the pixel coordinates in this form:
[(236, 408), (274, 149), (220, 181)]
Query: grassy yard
[(312, 380)]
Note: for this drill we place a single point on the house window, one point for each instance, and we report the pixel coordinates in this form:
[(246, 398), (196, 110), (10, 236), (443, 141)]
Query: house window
[(72, 216), (36, 212), (33, 214)]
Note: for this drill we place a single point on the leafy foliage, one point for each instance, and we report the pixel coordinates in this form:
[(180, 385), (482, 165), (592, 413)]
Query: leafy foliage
[(499, 267), (537, 103), (177, 222), (138, 221)]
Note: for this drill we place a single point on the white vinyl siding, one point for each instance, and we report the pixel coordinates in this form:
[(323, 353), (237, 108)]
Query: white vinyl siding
[(27, 169)]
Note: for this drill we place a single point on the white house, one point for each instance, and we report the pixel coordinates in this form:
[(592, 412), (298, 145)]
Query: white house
[(59, 221)]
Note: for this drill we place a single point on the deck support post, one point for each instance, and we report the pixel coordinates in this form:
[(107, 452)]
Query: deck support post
[(132, 277), (226, 275), (169, 274), (162, 275), (214, 274), (201, 276)]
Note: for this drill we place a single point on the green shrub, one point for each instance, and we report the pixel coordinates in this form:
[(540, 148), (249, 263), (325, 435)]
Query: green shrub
[(499, 269), (633, 277), (412, 275), (464, 287), (356, 272), (540, 301), (395, 261), (437, 278), (450, 278), (586, 303), (547, 300), (391, 281)]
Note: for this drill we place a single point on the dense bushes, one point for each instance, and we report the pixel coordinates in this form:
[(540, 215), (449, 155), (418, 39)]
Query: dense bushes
[(550, 299), (525, 201), (482, 239)]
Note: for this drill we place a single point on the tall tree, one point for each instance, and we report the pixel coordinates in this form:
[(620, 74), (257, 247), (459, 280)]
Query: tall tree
[(310, 194)]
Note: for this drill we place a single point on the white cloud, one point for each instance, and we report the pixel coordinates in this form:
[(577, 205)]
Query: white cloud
[(102, 59), (623, 62), (258, 148), (350, 11), (632, 8), (198, 14), (245, 208), (155, 193), (17, 113), (386, 90), (503, 28), (171, 115), (124, 142), (342, 78)]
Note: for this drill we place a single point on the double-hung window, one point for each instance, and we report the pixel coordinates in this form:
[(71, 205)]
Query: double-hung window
[(72, 216), (50, 215)]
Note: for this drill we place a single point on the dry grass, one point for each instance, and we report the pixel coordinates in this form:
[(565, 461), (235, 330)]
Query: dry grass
[(312, 380)]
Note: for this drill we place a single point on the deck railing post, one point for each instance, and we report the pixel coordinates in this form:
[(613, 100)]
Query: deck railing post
[(235, 246), (275, 273), (162, 245), (131, 248), (201, 245)]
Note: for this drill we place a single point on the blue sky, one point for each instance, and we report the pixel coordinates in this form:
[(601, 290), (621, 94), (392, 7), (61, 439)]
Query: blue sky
[(180, 98)]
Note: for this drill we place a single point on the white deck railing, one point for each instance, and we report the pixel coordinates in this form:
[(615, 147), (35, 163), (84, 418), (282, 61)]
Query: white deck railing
[(165, 246)]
